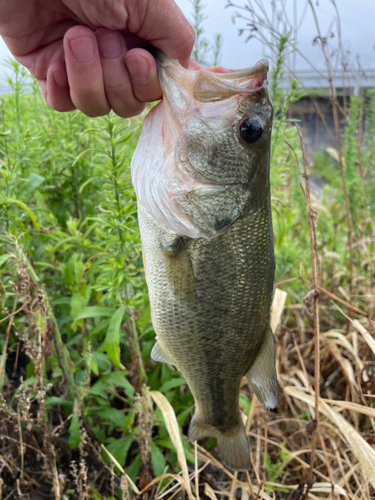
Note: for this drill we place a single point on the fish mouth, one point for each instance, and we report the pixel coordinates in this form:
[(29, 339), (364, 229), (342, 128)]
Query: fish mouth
[(212, 84), (261, 66)]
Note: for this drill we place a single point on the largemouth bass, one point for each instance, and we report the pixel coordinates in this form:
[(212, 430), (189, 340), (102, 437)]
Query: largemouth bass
[(201, 175)]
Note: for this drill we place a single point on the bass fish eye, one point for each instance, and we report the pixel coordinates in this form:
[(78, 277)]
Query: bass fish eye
[(251, 130)]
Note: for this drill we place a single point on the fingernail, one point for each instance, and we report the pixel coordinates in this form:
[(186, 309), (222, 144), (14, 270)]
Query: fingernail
[(60, 78), (83, 49), (110, 46), (138, 68)]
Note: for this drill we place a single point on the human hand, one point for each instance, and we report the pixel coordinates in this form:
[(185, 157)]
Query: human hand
[(90, 54)]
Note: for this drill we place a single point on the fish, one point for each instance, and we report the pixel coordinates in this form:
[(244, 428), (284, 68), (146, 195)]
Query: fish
[(201, 173)]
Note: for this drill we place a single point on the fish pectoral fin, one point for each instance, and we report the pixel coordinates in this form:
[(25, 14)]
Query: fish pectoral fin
[(157, 354), (262, 374), (232, 445), (179, 269)]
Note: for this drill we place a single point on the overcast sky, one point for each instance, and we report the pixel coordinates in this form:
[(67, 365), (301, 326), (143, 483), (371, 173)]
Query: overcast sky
[(357, 21)]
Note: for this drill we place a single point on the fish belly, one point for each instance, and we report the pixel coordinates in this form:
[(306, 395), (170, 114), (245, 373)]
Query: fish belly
[(210, 307)]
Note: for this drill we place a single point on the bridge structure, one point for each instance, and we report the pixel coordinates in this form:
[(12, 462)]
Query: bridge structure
[(310, 108), (345, 82)]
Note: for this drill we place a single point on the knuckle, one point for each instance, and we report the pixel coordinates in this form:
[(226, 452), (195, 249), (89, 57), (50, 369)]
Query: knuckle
[(59, 103), (148, 94), (117, 19), (91, 113), (61, 107), (92, 108), (129, 111), (117, 86), (190, 38)]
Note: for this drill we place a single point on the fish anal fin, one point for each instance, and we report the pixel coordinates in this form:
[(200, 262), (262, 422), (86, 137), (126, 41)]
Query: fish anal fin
[(157, 354), (232, 445), (262, 374)]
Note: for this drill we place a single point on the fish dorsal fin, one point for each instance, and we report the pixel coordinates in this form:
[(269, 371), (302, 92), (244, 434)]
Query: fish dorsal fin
[(157, 354), (262, 374)]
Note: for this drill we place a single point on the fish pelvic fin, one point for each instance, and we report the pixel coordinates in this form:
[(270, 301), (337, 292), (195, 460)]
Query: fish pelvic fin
[(262, 374), (157, 354), (232, 445)]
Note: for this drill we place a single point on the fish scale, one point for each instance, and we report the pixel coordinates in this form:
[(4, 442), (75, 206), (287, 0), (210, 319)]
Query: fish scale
[(210, 294)]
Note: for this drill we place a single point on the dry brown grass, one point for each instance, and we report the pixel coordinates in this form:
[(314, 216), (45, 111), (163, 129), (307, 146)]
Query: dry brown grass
[(34, 460)]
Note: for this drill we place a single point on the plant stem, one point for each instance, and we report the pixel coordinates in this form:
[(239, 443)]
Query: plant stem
[(61, 350), (115, 180), (137, 347), (339, 148), (314, 284)]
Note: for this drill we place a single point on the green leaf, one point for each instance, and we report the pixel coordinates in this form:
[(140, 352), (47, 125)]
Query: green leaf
[(69, 269), (171, 384), (74, 432), (119, 449), (54, 401), (94, 366), (82, 154), (119, 378), (132, 470), (87, 182), (126, 138), (79, 269), (184, 415), (3, 373), (112, 339), (101, 326), (77, 305), (245, 403), (102, 360), (24, 207), (112, 414), (100, 388), (129, 421), (27, 383), (95, 312), (4, 258), (157, 460), (34, 181)]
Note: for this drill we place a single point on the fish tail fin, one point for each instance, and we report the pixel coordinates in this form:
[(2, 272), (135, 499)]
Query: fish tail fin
[(233, 448), (232, 445)]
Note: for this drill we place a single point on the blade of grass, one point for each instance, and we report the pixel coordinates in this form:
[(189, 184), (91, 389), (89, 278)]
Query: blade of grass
[(278, 304), (174, 433)]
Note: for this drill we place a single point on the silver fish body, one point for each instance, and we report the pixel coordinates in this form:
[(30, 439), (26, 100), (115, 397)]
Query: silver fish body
[(201, 174)]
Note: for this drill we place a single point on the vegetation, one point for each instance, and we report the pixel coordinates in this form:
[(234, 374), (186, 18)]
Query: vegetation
[(85, 413)]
